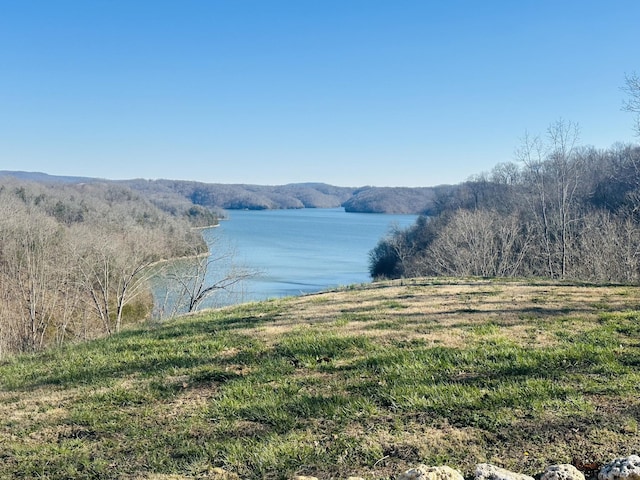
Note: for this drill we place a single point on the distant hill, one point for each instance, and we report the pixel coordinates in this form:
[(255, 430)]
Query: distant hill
[(266, 197), (391, 200), (40, 177), (249, 197)]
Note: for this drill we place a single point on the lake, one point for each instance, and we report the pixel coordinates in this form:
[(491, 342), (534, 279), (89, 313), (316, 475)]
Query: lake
[(298, 251)]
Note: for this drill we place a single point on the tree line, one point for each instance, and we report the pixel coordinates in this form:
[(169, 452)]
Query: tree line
[(75, 259), (217, 197), (560, 211)]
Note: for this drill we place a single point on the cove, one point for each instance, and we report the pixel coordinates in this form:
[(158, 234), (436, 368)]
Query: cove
[(300, 251)]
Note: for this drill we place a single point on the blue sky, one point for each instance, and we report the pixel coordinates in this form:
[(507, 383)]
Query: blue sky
[(348, 92)]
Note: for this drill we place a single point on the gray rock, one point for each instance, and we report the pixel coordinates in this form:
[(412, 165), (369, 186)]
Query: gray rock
[(486, 471), (422, 472), (627, 468), (562, 472)]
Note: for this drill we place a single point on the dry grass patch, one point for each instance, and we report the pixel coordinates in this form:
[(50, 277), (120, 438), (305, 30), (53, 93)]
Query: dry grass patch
[(444, 313), (40, 407)]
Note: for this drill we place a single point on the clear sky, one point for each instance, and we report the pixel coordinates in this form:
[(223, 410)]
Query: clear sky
[(347, 92)]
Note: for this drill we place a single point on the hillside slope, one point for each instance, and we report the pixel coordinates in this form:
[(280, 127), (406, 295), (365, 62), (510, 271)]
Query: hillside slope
[(366, 381)]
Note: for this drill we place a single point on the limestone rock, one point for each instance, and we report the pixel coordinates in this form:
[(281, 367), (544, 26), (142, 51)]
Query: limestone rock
[(422, 472), (562, 472), (627, 468), (486, 471)]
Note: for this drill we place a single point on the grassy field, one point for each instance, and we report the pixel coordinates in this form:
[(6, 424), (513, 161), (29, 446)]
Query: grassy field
[(367, 381)]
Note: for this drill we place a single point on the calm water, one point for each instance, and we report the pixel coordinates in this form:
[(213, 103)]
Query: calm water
[(300, 251)]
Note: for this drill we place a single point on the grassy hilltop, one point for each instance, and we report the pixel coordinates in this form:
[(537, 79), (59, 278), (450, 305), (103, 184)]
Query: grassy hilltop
[(366, 381)]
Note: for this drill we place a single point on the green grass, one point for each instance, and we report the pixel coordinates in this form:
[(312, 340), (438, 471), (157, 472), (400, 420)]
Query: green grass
[(298, 386)]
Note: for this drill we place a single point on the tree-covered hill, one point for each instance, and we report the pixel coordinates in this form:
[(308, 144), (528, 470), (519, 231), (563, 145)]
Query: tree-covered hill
[(75, 258), (217, 196), (396, 199), (250, 197), (562, 212), (295, 195)]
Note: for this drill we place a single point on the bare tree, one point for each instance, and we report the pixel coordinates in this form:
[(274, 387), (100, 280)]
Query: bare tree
[(531, 154), (554, 171), (506, 173), (609, 249), (478, 243), (187, 283), (10, 329), (632, 104), (566, 171), (30, 247), (115, 268), (71, 309), (402, 246)]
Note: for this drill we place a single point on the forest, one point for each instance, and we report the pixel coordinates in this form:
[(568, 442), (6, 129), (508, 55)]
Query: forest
[(366, 199), (75, 259), (559, 211), (219, 196)]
